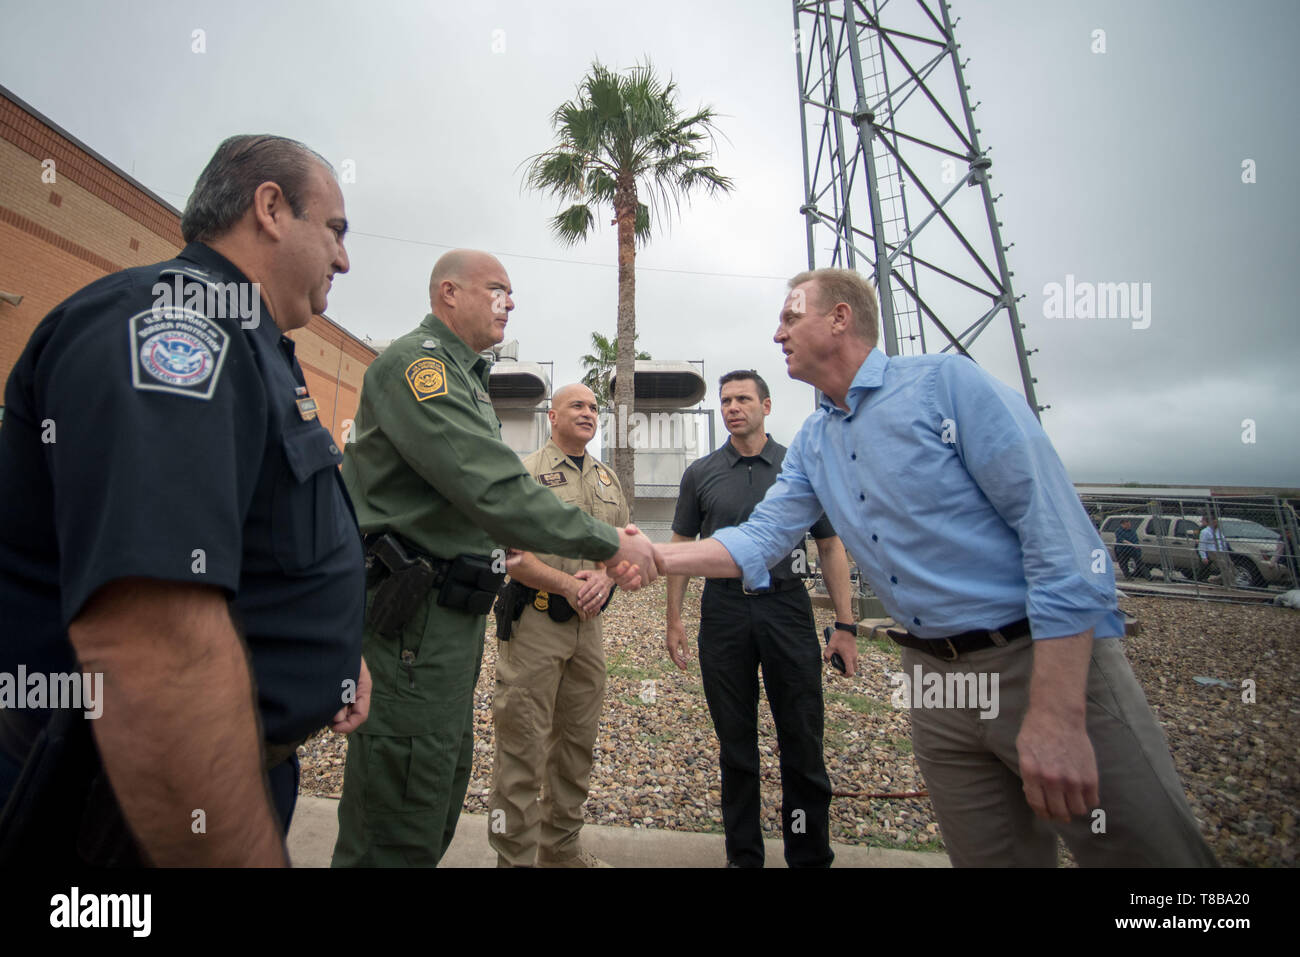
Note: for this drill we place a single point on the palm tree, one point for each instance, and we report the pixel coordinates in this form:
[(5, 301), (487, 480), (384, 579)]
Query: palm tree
[(600, 364), (621, 136)]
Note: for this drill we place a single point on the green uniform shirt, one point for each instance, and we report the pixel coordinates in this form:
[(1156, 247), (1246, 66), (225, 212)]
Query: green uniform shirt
[(428, 461)]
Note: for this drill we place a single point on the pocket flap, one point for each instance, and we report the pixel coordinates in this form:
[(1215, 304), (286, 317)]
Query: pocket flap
[(309, 451)]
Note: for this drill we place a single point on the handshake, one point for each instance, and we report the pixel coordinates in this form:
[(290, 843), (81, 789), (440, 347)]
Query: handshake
[(636, 562)]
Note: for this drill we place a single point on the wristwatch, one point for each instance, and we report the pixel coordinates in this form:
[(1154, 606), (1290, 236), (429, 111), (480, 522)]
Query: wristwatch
[(851, 629)]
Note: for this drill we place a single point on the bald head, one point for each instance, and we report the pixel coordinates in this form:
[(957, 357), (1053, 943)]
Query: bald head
[(573, 418), (470, 292), (458, 266)]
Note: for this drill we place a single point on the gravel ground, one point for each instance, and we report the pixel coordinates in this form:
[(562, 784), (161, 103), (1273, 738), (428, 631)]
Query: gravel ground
[(656, 753)]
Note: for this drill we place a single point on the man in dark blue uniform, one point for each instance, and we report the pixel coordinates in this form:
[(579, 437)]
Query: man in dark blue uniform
[(174, 521)]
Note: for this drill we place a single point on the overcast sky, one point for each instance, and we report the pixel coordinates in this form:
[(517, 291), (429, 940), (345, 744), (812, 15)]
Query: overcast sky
[(1117, 167)]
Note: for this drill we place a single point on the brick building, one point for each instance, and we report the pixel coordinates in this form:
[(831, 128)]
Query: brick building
[(68, 217)]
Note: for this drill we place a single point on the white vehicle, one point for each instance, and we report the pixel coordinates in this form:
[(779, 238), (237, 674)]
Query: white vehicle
[(1176, 539)]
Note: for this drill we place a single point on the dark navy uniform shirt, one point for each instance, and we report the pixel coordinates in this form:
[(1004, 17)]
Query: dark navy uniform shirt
[(170, 443), (721, 490)]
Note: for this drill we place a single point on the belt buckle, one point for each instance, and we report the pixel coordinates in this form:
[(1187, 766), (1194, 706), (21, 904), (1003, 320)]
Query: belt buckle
[(951, 647), (754, 591)]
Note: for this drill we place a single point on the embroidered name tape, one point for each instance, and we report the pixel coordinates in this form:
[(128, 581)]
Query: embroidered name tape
[(427, 378), (176, 350), (550, 479)]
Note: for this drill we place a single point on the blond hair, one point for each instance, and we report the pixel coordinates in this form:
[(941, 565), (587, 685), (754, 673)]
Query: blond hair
[(834, 286)]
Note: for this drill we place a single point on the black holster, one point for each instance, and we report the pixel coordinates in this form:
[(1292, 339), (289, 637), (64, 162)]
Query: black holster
[(405, 580), (509, 606)]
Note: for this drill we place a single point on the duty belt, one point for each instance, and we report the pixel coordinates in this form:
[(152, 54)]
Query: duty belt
[(947, 649), (557, 607)]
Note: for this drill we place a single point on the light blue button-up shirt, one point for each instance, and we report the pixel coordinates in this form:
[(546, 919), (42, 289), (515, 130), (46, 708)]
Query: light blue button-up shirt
[(949, 495)]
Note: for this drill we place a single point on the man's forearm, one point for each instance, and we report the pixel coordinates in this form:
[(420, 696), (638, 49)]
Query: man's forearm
[(677, 588), (835, 573), (1060, 675), (708, 558), (535, 573), (179, 732)]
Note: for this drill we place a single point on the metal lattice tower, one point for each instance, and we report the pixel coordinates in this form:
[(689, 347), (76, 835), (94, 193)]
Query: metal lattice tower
[(889, 140)]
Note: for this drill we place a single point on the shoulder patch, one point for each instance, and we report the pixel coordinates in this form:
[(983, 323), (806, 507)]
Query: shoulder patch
[(551, 479), (176, 350), (427, 378)]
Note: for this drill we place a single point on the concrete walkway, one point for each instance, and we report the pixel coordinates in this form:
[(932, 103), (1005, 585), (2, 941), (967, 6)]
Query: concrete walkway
[(315, 825)]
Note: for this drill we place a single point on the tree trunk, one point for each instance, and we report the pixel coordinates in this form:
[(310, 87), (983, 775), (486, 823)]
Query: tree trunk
[(624, 387)]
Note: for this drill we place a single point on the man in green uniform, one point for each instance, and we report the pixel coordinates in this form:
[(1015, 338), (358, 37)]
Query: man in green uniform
[(551, 673), (433, 482)]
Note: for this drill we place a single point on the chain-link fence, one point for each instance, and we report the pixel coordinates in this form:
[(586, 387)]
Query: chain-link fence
[(1220, 547)]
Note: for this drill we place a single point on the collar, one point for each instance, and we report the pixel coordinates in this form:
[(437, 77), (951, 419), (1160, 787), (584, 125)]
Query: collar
[(765, 453), (556, 456), (456, 347), (211, 261), (870, 375)]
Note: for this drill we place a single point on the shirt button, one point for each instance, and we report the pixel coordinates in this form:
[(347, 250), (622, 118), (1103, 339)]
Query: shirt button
[(916, 621), (874, 538), (848, 418), (334, 449), (853, 456), (893, 579), (861, 497)]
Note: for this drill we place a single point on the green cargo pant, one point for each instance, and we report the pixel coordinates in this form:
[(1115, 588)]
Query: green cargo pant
[(408, 766)]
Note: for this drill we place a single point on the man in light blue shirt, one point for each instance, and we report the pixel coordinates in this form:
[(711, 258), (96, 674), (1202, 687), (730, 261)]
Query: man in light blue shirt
[(949, 495)]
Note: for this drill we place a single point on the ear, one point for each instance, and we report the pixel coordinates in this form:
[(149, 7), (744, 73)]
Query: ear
[(767, 406), (446, 292), (270, 209), (841, 318)]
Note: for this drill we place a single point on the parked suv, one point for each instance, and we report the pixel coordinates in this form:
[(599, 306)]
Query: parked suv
[(1176, 538)]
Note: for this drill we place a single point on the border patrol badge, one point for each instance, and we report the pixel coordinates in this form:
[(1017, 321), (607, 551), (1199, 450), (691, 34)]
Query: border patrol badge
[(604, 476), (427, 378), (542, 601), (176, 350)]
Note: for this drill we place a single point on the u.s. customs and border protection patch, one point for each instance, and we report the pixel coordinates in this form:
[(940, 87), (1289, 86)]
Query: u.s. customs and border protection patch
[(176, 350), (427, 378)]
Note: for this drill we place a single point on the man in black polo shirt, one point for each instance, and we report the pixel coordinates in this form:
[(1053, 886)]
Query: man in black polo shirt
[(773, 629), (173, 520)]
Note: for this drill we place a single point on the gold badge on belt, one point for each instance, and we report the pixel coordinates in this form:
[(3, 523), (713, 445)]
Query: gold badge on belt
[(542, 601)]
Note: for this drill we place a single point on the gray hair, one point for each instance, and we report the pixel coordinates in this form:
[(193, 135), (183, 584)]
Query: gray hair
[(226, 186)]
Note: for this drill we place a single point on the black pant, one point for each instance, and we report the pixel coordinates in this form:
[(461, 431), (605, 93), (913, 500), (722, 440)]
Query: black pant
[(738, 634)]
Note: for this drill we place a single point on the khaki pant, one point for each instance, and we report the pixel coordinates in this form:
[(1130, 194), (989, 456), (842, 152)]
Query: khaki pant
[(971, 767), (550, 687)]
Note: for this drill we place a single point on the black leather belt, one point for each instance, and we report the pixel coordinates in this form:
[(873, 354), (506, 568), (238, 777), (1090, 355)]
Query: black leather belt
[(737, 585), (947, 649)]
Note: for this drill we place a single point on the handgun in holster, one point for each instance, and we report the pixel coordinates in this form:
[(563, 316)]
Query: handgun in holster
[(402, 589), (509, 606)]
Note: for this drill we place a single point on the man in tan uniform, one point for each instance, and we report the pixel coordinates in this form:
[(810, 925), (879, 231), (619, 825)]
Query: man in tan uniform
[(551, 673)]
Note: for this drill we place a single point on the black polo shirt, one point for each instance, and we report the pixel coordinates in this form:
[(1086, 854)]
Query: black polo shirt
[(721, 489), (172, 443)]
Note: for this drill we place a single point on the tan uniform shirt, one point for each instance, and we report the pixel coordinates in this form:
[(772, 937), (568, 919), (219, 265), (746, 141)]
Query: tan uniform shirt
[(595, 490)]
